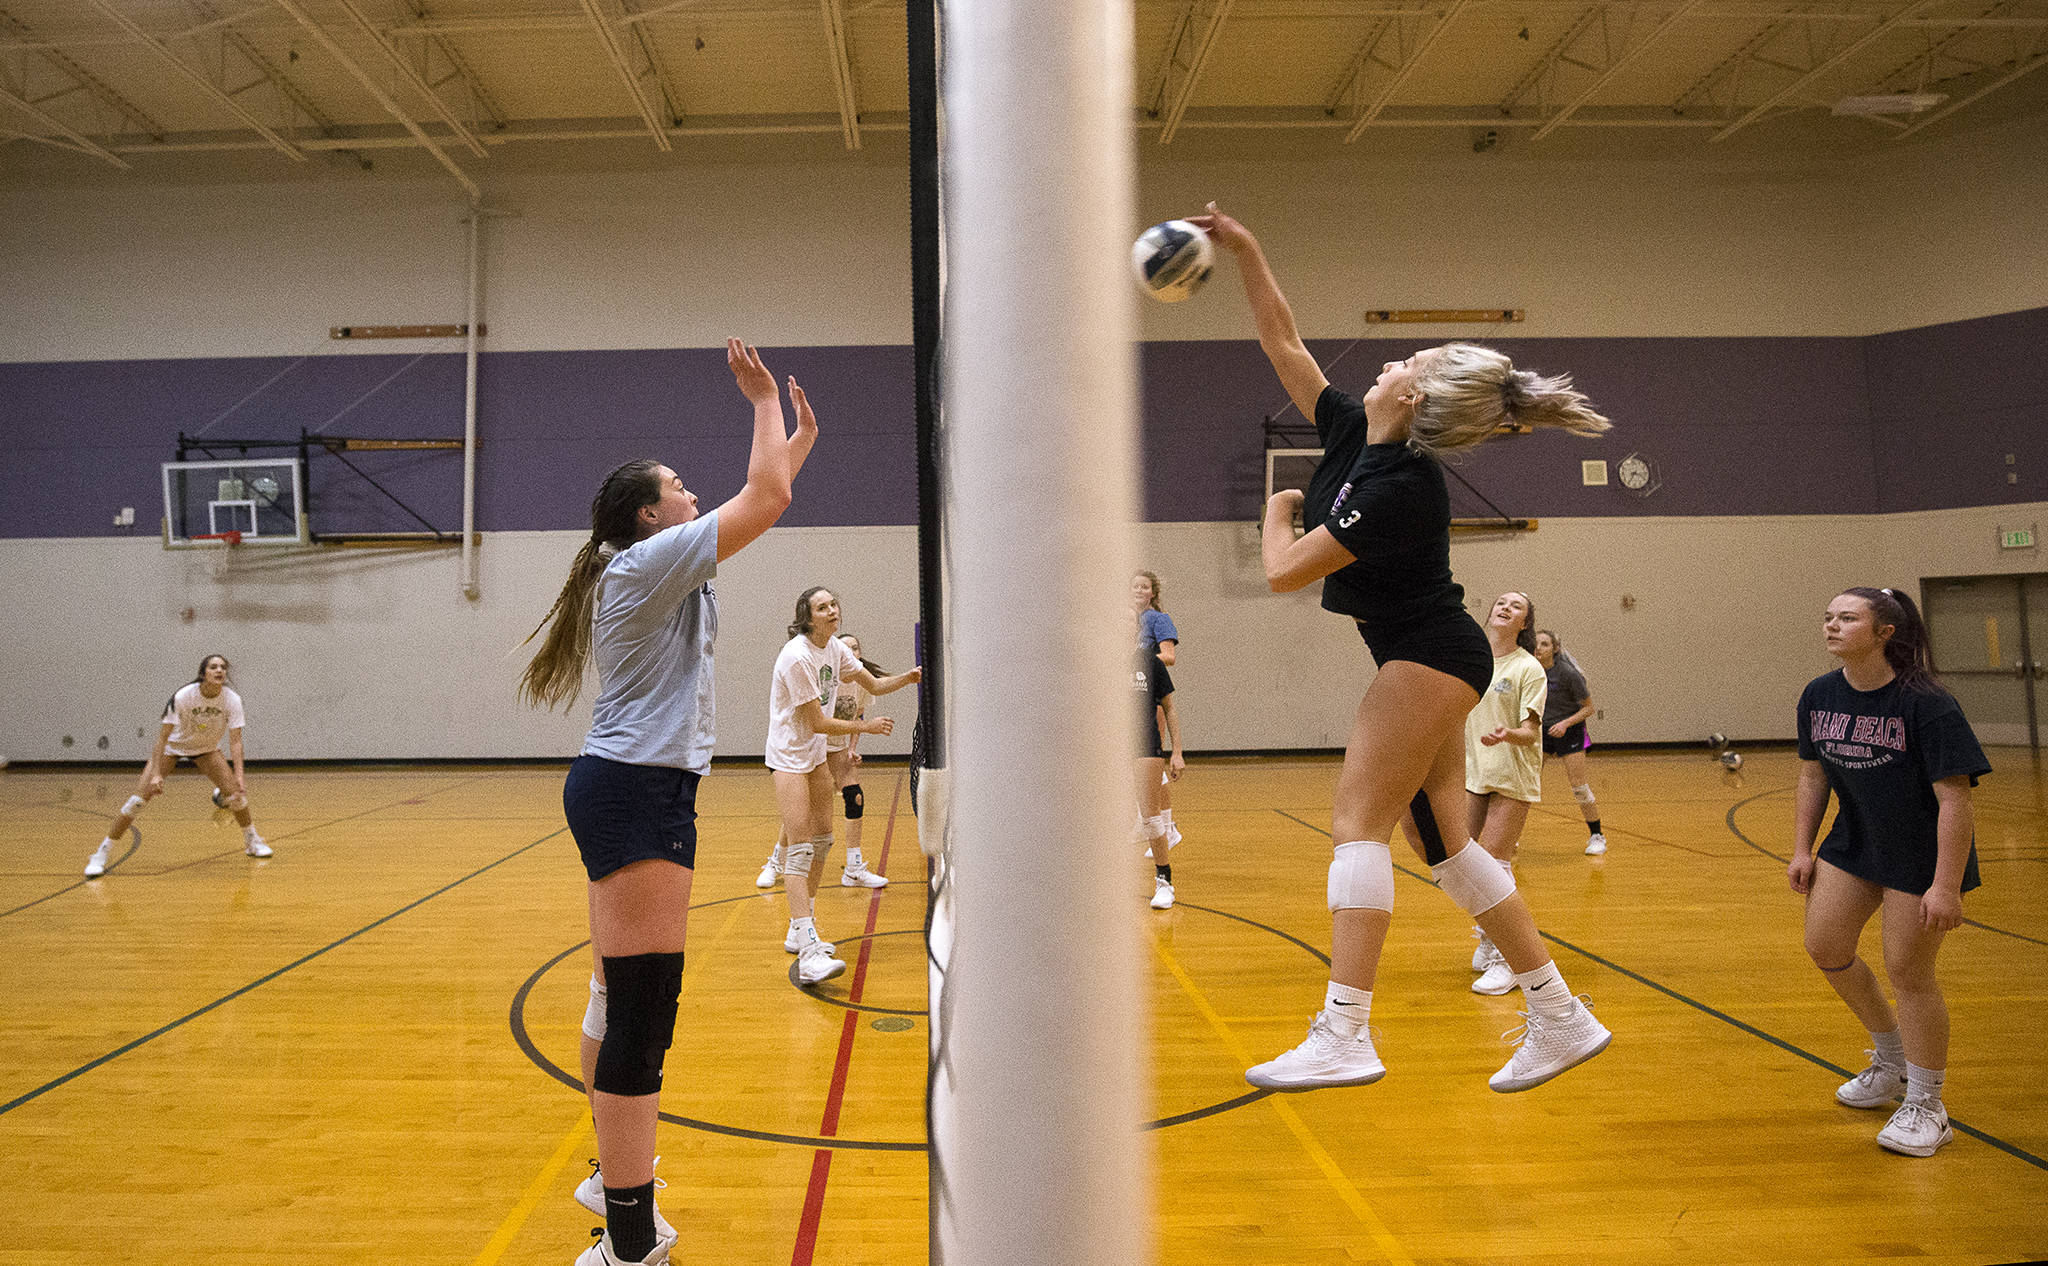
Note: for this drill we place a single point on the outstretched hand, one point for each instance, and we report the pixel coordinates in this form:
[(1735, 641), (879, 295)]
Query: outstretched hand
[(1224, 230), (756, 383), (806, 421)]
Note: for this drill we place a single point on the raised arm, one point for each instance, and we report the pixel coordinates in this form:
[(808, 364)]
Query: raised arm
[(1278, 338), (806, 428), (1295, 563), (884, 685), (770, 464)]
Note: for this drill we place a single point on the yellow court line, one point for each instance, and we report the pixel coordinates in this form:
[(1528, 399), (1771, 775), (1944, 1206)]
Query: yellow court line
[(1346, 1190), (542, 1185)]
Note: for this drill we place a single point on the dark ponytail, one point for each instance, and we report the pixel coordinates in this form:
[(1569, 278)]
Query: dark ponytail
[(1907, 649), (555, 673)]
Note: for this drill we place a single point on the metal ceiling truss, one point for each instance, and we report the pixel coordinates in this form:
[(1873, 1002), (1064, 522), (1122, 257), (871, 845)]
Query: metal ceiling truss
[(2030, 54), (834, 14), (1390, 54), (370, 85), (213, 19), (632, 56), (114, 108), (1188, 46), (212, 80), (483, 107), (1602, 43), (1817, 72), (413, 77)]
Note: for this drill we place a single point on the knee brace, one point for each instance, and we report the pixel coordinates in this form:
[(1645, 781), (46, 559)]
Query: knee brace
[(593, 1013), (1474, 878), (855, 804), (133, 806), (1362, 877), (1433, 850), (796, 857), (235, 802), (1582, 792), (640, 1022)]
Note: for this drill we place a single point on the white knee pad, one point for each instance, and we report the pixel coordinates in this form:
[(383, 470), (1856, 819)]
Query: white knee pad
[(1475, 879), (1362, 877), (593, 1015), (1582, 792), (133, 806), (236, 802), (796, 858)]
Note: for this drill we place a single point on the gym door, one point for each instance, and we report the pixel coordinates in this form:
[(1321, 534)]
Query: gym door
[(1989, 635)]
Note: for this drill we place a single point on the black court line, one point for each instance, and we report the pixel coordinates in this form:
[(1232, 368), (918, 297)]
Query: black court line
[(548, 1066), (76, 884), (1784, 861), (224, 999), (1811, 1058)]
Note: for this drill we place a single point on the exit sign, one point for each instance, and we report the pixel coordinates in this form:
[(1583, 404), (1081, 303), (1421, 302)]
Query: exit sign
[(2016, 538)]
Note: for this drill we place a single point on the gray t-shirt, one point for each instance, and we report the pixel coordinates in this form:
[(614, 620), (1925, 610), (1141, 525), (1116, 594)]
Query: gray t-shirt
[(652, 624)]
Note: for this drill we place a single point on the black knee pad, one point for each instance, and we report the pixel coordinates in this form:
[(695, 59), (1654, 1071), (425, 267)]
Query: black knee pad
[(855, 806), (1425, 825), (640, 1021)]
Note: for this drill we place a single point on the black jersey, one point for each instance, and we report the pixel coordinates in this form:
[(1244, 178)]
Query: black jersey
[(1883, 750), (1387, 504), (1150, 684)]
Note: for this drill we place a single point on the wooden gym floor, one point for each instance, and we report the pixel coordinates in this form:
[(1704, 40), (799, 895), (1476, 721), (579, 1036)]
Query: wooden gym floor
[(352, 1052)]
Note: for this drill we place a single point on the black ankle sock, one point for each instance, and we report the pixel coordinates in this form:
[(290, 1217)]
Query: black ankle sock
[(629, 1216), (1164, 872), (1593, 827)]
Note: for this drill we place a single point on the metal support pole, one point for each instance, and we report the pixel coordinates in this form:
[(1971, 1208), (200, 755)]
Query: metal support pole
[(470, 587)]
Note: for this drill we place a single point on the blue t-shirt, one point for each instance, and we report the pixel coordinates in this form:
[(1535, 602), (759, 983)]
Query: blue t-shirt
[(1883, 750), (1387, 504), (1154, 627), (653, 620)]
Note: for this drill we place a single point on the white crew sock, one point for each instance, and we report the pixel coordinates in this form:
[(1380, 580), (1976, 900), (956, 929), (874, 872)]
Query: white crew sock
[(1545, 990), (1891, 1049), (1347, 1008), (804, 928), (854, 861), (1923, 1085), (249, 833)]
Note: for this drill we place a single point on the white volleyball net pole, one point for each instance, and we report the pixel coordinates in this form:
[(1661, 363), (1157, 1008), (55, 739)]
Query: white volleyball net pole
[(1041, 1024)]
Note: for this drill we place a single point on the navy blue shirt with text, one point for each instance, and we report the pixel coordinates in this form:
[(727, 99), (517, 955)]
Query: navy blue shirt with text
[(1883, 750)]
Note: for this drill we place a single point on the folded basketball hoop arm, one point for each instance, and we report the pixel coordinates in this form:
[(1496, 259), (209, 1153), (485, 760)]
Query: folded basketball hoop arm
[(336, 446), (1300, 439)]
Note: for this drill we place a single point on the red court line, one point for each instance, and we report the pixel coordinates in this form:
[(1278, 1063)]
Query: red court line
[(821, 1160)]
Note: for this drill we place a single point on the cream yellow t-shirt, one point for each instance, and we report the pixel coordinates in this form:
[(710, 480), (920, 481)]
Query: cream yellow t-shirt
[(1518, 689)]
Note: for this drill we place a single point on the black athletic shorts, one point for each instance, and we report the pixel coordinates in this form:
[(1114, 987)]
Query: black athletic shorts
[(1574, 740), (1450, 644), (622, 814)]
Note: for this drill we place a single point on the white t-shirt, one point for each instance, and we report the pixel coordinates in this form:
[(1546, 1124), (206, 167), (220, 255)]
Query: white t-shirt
[(805, 672), (198, 724), (1519, 688), (853, 700)]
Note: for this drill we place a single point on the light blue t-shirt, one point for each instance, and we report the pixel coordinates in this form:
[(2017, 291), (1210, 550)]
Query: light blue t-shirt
[(1155, 626), (653, 620)]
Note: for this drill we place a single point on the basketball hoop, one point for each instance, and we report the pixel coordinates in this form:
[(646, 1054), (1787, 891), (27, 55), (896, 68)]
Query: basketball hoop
[(221, 545)]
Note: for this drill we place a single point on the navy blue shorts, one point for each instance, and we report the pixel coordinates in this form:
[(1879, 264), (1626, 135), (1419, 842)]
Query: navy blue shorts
[(1452, 645), (1574, 740), (621, 814)]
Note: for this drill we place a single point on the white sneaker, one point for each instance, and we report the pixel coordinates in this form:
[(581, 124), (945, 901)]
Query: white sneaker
[(1877, 1086), (590, 1194), (770, 875), (98, 865), (791, 945), (1549, 1046), (257, 848), (1497, 979), (1918, 1128), (862, 878), (1325, 1059), (1162, 894), (601, 1254), (816, 965), (1483, 956), (1596, 845)]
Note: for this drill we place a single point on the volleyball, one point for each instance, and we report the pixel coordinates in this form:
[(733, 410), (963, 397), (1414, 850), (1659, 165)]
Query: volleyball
[(1172, 260)]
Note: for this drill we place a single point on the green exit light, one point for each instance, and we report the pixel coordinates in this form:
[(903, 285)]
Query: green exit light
[(2016, 538)]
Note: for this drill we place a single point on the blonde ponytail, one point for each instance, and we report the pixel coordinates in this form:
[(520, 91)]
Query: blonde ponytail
[(1472, 393)]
